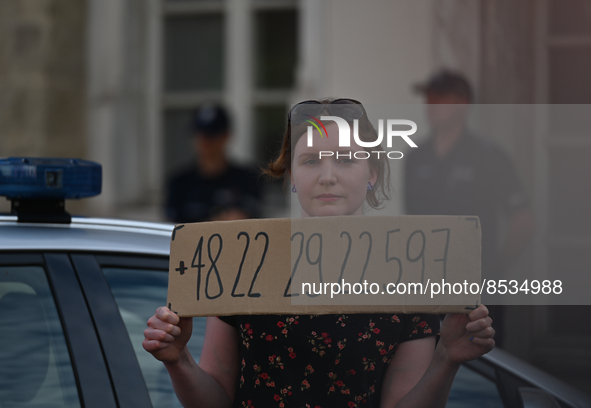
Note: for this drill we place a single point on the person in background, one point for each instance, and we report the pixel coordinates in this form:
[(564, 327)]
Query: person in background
[(456, 173), (212, 189)]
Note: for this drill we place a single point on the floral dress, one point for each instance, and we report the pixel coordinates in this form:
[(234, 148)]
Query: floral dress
[(320, 361)]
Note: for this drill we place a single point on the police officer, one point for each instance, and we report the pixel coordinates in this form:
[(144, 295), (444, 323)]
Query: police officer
[(212, 188), (457, 173)]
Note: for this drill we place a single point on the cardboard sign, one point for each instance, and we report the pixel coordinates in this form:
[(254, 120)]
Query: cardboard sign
[(322, 265)]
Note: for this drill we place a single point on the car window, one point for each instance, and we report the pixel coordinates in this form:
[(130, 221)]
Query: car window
[(138, 293), (472, 389), (35, 368)]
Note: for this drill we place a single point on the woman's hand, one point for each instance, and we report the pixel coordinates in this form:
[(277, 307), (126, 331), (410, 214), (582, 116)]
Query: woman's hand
[(167, 335), (466, 337)]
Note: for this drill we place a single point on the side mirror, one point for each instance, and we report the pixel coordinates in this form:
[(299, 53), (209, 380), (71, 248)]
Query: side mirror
[(536, 398)]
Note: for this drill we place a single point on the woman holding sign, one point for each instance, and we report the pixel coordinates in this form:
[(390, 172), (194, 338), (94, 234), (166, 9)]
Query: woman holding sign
[(354, 360)]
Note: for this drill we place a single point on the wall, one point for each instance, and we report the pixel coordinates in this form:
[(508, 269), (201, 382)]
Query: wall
[(42, 79)]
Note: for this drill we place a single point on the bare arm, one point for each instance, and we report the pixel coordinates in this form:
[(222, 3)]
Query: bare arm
[(420, 376), (210, 383)]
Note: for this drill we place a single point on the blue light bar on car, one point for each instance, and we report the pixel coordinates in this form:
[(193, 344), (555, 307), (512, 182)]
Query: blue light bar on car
[(45, 178)]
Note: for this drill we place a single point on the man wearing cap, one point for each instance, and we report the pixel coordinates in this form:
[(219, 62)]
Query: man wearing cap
[(213, 189), (456, 173)]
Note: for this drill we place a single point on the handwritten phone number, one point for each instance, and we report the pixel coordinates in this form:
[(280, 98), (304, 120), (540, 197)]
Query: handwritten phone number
[(212, 248)]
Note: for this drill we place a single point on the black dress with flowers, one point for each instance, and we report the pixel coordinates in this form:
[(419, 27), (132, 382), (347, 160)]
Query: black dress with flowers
[(320, 361)]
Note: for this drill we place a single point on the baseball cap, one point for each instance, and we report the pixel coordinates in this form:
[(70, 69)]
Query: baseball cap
[(210, 120), (446, 82)]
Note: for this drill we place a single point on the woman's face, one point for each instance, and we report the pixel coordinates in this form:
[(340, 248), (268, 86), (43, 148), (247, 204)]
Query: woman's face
[(331, 185)]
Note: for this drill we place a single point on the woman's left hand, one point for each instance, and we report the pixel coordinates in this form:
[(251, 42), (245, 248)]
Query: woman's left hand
[(465, 337)]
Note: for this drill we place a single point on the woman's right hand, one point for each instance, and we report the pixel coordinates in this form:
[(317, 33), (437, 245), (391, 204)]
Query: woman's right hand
[(167, 335)]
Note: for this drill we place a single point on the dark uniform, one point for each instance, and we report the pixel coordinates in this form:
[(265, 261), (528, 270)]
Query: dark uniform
[(194, 198), (475, 178)]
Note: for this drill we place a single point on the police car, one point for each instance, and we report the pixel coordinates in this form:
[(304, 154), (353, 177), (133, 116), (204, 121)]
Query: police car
[(75, 295)]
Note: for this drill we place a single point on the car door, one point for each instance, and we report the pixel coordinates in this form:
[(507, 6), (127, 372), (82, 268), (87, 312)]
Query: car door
[(123, 291), (49, 352)]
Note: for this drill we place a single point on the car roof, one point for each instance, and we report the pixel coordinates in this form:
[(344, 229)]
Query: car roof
[(87, 234)]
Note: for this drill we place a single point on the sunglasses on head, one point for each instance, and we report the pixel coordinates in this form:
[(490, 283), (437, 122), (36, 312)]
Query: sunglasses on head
[(348, 109)]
